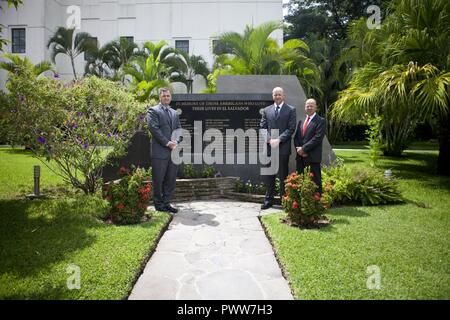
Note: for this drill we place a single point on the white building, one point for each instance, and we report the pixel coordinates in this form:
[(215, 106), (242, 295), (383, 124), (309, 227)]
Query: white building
[(189, 24)]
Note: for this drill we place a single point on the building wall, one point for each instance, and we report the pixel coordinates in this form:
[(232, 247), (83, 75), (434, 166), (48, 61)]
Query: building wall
[(199, 21)]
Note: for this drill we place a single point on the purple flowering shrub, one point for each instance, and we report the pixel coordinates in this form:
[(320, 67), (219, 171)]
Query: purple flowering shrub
[(76, 126)]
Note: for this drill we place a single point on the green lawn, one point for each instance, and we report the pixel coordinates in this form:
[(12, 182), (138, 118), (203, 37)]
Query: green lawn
[(410, 243), (40, 239), (416, 145)]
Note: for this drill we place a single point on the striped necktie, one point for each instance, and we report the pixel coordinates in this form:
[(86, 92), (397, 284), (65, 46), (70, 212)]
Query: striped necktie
[(305, 125)]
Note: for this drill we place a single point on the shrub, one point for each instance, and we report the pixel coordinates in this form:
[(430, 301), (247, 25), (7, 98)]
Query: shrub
[(366, 186), (302, 202), (248, 187), (239, 186), (78, 126), (129, 196), (208, 172), (188, 171)]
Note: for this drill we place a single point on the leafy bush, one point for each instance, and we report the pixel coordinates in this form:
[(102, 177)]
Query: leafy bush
[(208, 172), (78, 126), (129, 196), (238, 186), (188, 171), (302, 203), (366, 186)]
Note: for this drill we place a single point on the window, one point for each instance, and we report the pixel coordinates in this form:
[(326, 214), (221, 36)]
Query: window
[(182, 45), (87, 55), (218, 48), (130, 39), (18, 40)]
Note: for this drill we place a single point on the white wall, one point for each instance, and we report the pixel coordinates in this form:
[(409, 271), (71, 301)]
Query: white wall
[(199, 21)]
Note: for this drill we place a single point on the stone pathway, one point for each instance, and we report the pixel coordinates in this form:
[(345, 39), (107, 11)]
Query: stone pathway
[(213, 250)]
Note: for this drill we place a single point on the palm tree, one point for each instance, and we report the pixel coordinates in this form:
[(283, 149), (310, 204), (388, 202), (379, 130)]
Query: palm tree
[(254, 52), (64, 42), (154, 67), (148, 72), (186, 68), (18, 65), (406, 77), (118, 53), (97, 64)]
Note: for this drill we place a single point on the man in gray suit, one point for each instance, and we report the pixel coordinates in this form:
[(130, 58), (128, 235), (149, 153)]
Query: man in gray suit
[(308, 142), (279, 116), (164, 125)]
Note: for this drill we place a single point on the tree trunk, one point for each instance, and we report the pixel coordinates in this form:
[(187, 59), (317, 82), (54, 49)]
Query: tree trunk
[(73, 67), (443, 167)]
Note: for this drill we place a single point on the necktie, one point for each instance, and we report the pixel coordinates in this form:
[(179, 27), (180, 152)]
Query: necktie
[(277, 110), (168, 115), (305, 125)]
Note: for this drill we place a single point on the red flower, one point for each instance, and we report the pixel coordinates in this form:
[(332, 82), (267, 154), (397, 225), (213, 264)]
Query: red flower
[(120, 206), (311, 174), (294, 205), (317, 196)]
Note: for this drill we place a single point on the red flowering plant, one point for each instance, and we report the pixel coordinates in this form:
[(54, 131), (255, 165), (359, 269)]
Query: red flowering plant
[(302, 203), (129, 196)]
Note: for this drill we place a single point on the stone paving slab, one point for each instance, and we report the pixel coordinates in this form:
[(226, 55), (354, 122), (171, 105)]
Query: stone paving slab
[(213, 250)]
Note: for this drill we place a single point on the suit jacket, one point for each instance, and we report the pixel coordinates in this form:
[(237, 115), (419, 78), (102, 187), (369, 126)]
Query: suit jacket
[(285, 123), (163, 130), (312, 141)]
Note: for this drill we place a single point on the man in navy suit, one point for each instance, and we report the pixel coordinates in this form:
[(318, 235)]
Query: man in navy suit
[(308, 142), (282, 117), (164, 125)]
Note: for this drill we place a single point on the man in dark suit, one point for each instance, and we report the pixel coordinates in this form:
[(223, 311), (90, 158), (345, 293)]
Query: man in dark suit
[(164, 125), (282, 117), (308, 142)]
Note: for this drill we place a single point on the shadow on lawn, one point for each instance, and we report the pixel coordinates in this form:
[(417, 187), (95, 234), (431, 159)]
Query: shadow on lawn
[(35, 234), (338, 216)]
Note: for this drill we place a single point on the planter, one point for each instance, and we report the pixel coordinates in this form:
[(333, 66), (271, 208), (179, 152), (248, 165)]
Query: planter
[(204, 188)]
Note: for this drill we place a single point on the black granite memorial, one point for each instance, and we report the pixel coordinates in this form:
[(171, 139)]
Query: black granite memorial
[(201, 112), (137, 154)]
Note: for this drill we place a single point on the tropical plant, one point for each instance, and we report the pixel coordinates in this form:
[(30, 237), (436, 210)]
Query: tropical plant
[(403, 74), (63, 42), (153, 69), (361, 186), (18, 65), (77, 127), (129, 197), (303, 204), (187, 68), (254, 52), (97, 65), (118, 53)]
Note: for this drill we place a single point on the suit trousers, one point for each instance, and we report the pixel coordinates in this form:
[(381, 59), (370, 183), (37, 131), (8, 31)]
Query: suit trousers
[(283, 170), (315, 169), (164, 177)]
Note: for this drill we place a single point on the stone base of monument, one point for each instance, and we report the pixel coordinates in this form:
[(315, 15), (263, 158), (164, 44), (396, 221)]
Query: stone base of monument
[(203, 189), (212, 188)]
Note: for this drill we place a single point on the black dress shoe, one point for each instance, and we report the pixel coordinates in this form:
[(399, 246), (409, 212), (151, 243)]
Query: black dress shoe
[(171, 209), (266, 205)]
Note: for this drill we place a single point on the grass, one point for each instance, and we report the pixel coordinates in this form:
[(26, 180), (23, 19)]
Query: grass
[(41, 239), (409, 242), (416, 145)]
